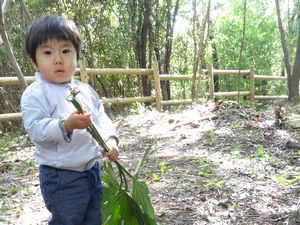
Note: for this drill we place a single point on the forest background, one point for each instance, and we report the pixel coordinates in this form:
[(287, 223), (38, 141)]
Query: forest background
[(226, 163), (183, 36)]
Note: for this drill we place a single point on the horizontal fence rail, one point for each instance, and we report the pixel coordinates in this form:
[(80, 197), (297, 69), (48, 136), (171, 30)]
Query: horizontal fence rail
[(84, 74), (247, 74)]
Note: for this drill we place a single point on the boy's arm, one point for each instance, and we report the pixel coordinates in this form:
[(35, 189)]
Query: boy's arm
[(41, 128)]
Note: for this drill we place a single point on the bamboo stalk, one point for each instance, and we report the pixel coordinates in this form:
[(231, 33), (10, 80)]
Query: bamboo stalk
[(177, 102), (10, 117), (127, 100), (270, 97)]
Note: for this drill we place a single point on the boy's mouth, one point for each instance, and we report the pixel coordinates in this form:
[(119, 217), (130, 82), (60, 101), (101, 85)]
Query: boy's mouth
[(59, 71)]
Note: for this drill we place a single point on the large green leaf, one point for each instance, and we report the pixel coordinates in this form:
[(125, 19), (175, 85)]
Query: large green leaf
[(120, 208), (140, 193), (108, 175)]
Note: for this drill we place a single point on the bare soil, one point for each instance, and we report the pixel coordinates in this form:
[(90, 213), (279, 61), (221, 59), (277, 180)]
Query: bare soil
[(211, 164)]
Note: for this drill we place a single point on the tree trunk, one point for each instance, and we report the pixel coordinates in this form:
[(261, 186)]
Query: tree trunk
[(25, 11), (215, 60), (296, 71), (156, 36), (148, 16), (141, 47), (199, 54), (285, 51), (148, 31), (8, 48), (171, 19)]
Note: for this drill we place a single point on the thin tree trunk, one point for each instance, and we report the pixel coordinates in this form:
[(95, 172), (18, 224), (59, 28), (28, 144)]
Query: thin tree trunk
[(285, 50), (296, 70), (171, 19), (148, 30), (156, 36), (215, 60), (8, 48), (141, 46), (148, 16), (25, 11), (198, 57)]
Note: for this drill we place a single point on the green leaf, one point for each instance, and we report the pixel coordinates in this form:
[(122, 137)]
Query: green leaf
[(140, 193), (143, 160), (280, 179), (155, 177), (108, 175), (119, 208)]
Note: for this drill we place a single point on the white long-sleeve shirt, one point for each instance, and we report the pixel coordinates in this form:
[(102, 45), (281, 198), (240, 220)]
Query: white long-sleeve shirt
[(42, 104)]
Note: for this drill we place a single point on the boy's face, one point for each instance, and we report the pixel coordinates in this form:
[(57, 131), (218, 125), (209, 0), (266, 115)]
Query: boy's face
[(56, 60)]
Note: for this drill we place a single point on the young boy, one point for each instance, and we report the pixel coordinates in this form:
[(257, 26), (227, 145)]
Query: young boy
[(69, 171)]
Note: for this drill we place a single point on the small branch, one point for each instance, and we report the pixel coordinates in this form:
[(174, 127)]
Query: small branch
[(4, 6), (8, 47)]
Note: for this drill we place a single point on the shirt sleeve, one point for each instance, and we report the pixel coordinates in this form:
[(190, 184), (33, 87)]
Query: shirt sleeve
[(38, 123)]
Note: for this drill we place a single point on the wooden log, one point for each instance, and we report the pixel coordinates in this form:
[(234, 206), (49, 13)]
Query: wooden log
[(116, 71), (178, 77), (10, 117), (120, 101), (229, 94), (211, 84), (177, 102), (270, 97), (4, 81), (266, 77), (252, 84), (158, 95), (231, 72), (83, 73)]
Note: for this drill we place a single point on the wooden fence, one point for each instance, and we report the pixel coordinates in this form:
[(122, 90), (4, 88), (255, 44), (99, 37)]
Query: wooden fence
[(84, 74), (247, 74)]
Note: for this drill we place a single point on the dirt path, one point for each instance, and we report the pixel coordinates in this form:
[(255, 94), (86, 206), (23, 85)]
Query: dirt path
[(211, 165)]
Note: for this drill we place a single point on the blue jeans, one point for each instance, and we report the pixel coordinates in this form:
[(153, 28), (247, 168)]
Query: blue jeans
[(73, 198)]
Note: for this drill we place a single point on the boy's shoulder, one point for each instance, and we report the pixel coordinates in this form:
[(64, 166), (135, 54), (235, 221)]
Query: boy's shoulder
[(33, 88)]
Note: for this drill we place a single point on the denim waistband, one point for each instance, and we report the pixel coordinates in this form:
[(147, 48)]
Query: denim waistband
[(81, 168)]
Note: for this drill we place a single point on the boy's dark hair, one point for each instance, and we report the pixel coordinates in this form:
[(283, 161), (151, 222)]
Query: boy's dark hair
[(51, 27)]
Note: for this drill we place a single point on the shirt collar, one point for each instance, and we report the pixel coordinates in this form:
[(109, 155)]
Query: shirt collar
[(39, 78)]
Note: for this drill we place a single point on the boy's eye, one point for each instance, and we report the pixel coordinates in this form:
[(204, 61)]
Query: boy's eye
[(47, 52), (66, 51)]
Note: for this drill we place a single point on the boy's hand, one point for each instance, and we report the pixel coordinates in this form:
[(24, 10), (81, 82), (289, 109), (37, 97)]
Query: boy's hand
[(113, 150), (78, 121)]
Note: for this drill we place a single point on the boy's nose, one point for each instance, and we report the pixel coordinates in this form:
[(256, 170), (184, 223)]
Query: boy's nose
[(58, 59)]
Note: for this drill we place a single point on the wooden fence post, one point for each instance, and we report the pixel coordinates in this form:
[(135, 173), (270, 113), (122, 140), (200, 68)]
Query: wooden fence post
[(251, 79), (83, 74), (157, 86), (211, 85)]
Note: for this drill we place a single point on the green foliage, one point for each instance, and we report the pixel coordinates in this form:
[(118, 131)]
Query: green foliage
[(125, 207), (261, 154), (7, 141), (162, 167), (110, 30), (206, 169), (14, 190)]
